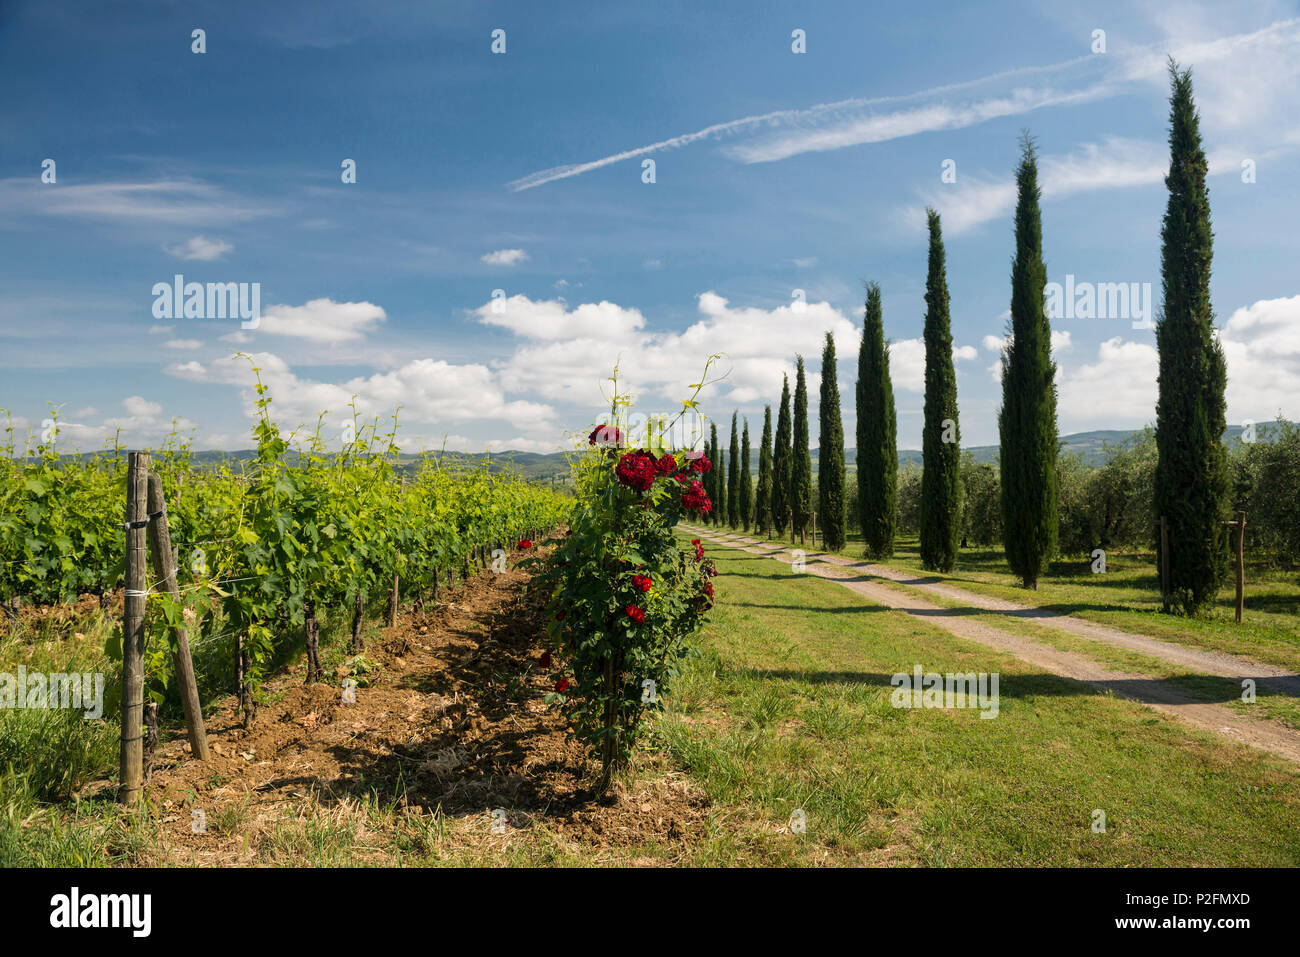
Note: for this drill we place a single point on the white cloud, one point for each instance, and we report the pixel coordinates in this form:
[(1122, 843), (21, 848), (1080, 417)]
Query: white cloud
[(907, 362), (182, 344), (322, 320), (139, 406), (427, 390), (578, 348), (504, 257), (1261, 343), (200, 248), (161, 330), (166, 201), (552, 319), (1116, 162)]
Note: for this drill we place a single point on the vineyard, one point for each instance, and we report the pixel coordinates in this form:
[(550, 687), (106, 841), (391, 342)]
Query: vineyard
[(259, 554)]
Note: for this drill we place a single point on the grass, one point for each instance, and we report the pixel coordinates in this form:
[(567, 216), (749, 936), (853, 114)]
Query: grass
[(790, 710)]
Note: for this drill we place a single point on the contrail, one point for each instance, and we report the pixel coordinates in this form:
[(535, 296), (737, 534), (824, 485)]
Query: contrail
[(1212, 50), (776, 118)]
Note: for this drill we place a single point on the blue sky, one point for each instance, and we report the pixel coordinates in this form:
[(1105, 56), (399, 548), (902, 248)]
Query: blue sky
[(521, 171)]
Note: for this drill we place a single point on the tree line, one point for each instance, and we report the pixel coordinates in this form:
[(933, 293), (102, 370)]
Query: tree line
[(1190, 482)]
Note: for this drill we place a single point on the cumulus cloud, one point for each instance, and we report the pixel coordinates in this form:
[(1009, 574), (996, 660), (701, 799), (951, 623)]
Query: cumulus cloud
[(1261, 345), (428, 391), (907, 362), (322, 320), (504, 257), (573, 349), (552, 319)]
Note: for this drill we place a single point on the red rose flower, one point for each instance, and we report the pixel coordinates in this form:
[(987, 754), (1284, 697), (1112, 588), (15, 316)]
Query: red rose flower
[(636, 471), (643, 582), (559, 615), (666, 465), (636, 614), (695, 499), (606, 436), (699, 552), (562, 684), (708, 589), (702, 464), (524, 543), (545, 660)]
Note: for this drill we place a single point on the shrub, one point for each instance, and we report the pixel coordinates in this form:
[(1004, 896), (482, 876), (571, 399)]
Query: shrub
[(623, 596)]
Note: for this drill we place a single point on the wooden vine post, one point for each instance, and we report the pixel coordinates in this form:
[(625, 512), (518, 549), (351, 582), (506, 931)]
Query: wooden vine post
[(1241, 563), (164, 565), (1239, 559), (133, 609)]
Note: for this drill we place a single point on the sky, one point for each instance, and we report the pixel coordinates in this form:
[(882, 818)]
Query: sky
[(466, 214)]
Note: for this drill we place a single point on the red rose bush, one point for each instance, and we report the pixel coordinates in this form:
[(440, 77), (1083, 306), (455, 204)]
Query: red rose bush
[(624, 596)]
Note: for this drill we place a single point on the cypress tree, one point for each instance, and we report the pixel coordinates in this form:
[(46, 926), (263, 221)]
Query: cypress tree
[(1027, 420), (733, 478), (877, 433), (720, 505), (830, 461), (800, 455), (781, 464), (763, 498), (1191, 480), (711, 477), (941, 488), (746, 482)]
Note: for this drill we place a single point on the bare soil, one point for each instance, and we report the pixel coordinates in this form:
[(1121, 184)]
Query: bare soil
[(448, 721)]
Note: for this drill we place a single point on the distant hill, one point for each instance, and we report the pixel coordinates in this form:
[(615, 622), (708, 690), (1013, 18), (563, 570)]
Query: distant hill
[(553, 467)]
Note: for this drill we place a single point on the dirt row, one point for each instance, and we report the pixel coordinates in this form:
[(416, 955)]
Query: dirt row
[(448, 719)]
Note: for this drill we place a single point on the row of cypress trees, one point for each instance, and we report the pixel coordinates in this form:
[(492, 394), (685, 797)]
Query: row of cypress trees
[(1191, 477)]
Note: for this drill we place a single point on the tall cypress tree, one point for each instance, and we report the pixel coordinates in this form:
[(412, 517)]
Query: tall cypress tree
[(1191, 481), (941, 488), (781, 463), (1027, 420), (720, 504), (733, 478), (800, 455), (830, 457), (711, 477), (877, 432), (746, 483), (763, 498)]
